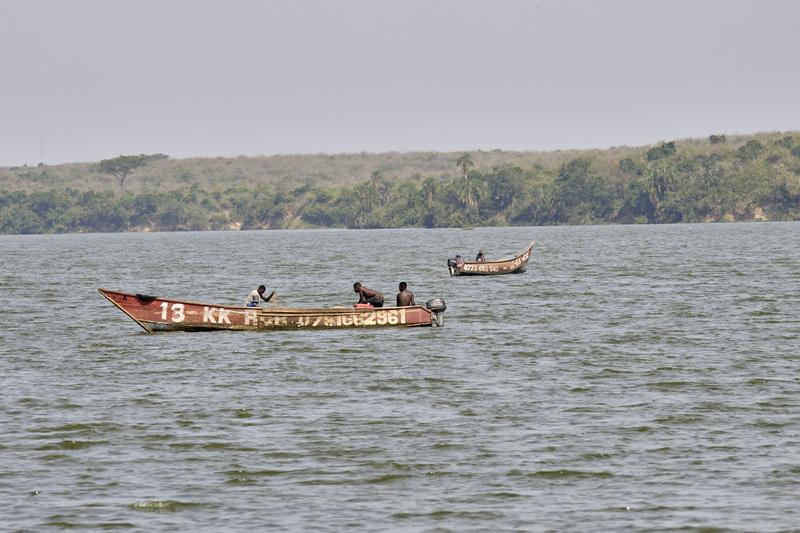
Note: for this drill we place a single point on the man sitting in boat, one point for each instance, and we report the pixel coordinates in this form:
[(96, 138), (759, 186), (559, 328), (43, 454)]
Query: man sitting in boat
[(256, 295), (456, 263), (405, 297), (368, 296), (481, 257), (459, 262)]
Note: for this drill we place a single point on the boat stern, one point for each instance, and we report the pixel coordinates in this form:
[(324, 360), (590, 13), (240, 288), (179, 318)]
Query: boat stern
[(437, 307)]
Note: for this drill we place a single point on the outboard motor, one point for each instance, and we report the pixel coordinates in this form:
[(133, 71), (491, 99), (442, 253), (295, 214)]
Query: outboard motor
[(451, 265), (437, 308)]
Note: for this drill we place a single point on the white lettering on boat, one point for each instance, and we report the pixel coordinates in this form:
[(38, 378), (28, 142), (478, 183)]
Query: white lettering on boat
[(480, 268), (222, 315), (365, 318), (177, 312), (519, 260), (272, 321), (250, 317)]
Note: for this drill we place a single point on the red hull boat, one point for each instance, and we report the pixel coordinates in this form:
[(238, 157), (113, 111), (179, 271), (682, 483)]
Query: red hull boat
[(165, 314)]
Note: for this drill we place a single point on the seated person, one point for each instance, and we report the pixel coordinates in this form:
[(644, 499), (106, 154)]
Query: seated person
[(481, 257), (405, 297), (256, 295), (458, 262), (368, 296)]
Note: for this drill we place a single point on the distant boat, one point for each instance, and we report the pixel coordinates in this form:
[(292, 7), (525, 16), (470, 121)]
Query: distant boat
[(515, 265), (165, 314)]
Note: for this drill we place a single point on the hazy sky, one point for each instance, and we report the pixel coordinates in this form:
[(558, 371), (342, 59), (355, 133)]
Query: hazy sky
[(86, 80)]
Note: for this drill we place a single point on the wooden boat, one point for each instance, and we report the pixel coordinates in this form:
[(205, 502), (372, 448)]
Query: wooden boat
[(166, 314), (515, 265)]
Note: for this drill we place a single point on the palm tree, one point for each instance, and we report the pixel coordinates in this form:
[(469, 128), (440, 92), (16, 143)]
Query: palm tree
[(380, 186), (363, 201), (548, 204), (465, 162), (367, 196), (376, 177), (468, 192), (661, 179), (429, 191)]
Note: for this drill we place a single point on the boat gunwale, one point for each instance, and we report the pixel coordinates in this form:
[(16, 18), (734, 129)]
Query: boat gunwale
[(501, 261), (289, 311)]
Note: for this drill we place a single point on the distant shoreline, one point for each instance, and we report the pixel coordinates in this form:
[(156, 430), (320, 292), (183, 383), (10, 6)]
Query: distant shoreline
[(155, 231), (718, 179)]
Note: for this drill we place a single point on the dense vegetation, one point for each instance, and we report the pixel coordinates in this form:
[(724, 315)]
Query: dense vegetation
[(714, 179)]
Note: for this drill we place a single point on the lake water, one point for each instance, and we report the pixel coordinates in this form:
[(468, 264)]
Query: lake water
[(635, 378)]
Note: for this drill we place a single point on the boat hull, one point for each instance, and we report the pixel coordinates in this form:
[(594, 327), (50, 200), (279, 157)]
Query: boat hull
[(165, 314), (517, 265)]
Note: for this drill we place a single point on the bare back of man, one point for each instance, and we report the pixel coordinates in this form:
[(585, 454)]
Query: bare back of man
[(405, 297), (368, 296)]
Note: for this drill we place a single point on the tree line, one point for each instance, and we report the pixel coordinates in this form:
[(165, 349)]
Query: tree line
[(668, 183)]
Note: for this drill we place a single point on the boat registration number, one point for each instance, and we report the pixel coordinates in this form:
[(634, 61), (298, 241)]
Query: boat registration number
[(370, 318)]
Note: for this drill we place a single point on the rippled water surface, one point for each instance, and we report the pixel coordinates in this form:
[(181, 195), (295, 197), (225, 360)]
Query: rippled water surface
[(636, 378)]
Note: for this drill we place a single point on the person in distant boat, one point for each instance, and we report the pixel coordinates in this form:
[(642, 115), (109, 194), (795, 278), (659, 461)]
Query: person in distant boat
[(405, 297), (481, 257), (368, 296), (455, 264), (256, 295)]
